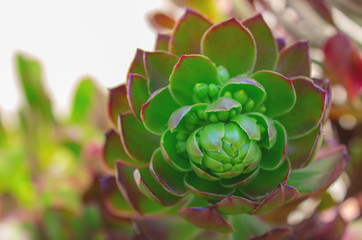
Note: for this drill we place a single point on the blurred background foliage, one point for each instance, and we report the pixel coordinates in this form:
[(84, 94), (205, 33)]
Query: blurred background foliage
[(51, 166)]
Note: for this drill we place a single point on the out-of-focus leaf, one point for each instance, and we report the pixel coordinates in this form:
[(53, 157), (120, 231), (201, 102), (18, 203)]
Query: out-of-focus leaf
[(85, 98), (247, 226), (162, 42), (321, 172), (31, 81), (343, 63)]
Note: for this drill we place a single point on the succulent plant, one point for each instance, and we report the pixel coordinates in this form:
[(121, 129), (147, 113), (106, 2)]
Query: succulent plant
[(220, 122)]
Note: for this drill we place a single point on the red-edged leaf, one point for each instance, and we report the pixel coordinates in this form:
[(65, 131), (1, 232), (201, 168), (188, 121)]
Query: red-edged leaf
[(171, 180), (153, 189), (137, 93), (266, 47), (282, 195), (158, 66), (113, 151), (266, 181), (157, 111), (280, 92), (205, 189), (117, 102), (168, 148), (187, 34), (307, 111), (190, 70), (138, 143), (236, 205), (301, 150), (274, 157), (162, 42), (207, 218), (327, 166), (231, 45), (294, 60), (113, 199), (137, 64), (128, 188)]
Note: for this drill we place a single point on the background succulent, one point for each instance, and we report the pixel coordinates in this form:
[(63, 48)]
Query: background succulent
[(220, 111)]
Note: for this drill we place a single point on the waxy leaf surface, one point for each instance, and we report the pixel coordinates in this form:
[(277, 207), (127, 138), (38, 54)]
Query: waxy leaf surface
[(230, 45), (134, 135), (294, 60), (158, 66), (188, 32), (307, 111), (266, 47)]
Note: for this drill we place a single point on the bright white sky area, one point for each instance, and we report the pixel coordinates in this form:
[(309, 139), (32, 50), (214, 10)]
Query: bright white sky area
[(72, 38)]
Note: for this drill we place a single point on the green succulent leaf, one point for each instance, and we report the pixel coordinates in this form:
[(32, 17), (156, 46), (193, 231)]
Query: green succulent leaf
[(180, 119), (253, 90), (157, 110), (270, 134), (203, 173), (223, 104), (274, 84), (137, 65), (249, 125), (158, 66), (127, 186), (211, 191), (187, 33), (321, 172), (310, 100), (240, 180), (171, 180), (211, 135), (300, 151), (247, 227), (266, 47), (282, 195), (207, 218), (272, 158), (134, 135), (235, 205), (137, 93), (190, 70), (294, 60), (162, 42), (149, 186), (230, 45), (266, 181), (117, 102), (169, 151), (113, 151), (193, 149)]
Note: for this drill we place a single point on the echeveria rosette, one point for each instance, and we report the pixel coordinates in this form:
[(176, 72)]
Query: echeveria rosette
[(221, 114)]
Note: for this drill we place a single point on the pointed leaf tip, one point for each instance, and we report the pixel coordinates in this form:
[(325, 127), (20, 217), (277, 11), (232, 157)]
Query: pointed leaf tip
[(187, 34), (294, 60)]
